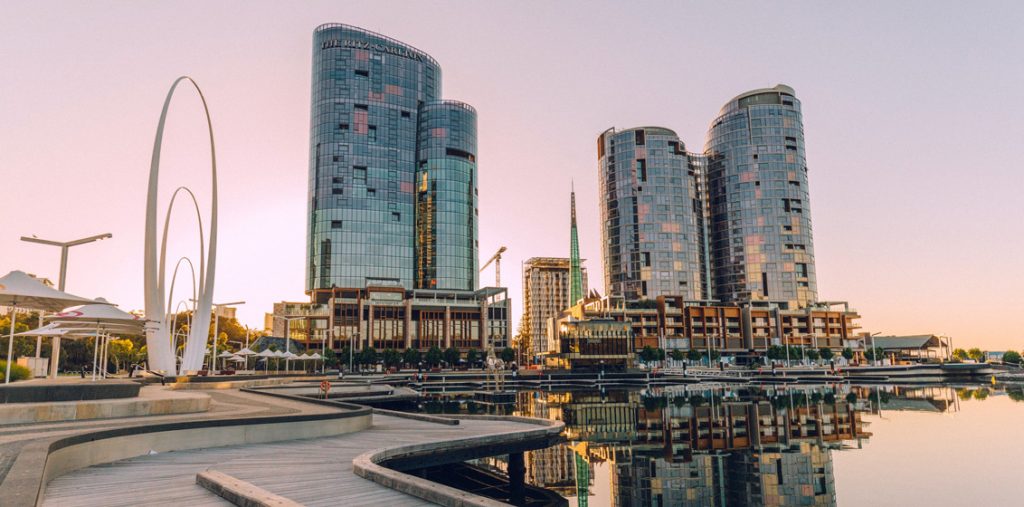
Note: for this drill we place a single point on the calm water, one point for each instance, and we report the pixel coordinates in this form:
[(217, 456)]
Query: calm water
[(847, 445)]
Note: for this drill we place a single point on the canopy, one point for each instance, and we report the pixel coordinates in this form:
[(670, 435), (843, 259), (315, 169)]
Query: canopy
[(265, 353), (315, 355), (303, 357), (278, 353), (51, 329), (236, 359), (289, 355), (103, 313), (225, 354), (245, 352), (19, 289)]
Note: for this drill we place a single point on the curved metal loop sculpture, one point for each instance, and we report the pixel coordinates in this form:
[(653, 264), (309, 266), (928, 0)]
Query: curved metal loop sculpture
[(158, 339)]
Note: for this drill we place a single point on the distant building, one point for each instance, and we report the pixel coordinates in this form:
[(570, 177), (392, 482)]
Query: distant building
[(672, 323), (592, 343), (545, 295), (913, 348)]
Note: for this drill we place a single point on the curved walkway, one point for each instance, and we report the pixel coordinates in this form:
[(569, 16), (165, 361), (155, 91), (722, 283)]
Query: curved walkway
[(311, 472)]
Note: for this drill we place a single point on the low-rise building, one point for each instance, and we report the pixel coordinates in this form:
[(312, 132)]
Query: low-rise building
[(389, 317), (742, 332)]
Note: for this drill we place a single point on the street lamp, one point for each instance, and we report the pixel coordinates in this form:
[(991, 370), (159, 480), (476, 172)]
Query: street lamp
[(874, 351), (216, 323), (64, 246)]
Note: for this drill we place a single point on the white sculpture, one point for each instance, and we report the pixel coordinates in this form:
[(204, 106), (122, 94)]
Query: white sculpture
[(158, 336)]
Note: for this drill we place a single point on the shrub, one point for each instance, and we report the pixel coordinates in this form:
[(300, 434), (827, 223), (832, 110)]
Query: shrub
[(18, 372)]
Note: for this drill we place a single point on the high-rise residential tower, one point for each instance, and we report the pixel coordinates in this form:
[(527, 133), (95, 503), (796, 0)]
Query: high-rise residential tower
[(546, 294), (761, 246), (392, 173), (650, 214)]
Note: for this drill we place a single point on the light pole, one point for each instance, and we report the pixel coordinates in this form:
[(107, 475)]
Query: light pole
[(287, 338), (64, 247), (874, 351), (216, 323)]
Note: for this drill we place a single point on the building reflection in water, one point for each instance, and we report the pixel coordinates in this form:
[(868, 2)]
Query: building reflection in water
[(681, 446)]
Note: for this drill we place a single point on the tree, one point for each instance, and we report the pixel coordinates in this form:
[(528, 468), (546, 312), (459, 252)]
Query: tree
[(451, 356), (472, 357), (714, 355), (331, 358), (776, 352), (677, 355), (848, 354), (411, 357), (976, 354), (1011, 357), (826, 353), (693, 355), (434, 356), (959, 354), (870, 354), (507, 354), (368, 356), (392, 357), (121, 351), (647, 354), (812, 354), (659, 354), (795, 352)]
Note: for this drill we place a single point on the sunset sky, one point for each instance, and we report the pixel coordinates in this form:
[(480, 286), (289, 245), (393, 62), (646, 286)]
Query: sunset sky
[(912, 115)]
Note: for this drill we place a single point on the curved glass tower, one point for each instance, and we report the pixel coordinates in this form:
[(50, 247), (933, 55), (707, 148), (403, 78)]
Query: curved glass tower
[(650, 213), (378, 128), (446, 194), (761, 245)]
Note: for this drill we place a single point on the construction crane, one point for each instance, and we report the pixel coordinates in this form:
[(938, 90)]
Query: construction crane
[(497, 266)]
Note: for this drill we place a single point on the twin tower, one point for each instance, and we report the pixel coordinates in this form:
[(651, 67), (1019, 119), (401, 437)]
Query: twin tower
[(731, 224)]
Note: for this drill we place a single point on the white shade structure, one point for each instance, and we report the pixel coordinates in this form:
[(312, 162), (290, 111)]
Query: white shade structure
[(18, 290), (105, 318), (303, 357), (224, 354), (245, 352), (265, 353)]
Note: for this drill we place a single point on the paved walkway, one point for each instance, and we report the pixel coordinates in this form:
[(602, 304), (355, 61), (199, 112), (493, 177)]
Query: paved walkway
[(312, 472), (223, 405)]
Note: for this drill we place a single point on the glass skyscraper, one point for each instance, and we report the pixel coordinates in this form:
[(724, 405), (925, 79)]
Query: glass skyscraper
[(392, 173), (761, 246), (651, 215), (446, 196)]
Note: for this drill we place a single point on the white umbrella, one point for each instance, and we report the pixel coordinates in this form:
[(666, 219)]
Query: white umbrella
[(17, 289), (303, 357), (245, 352), (315, 356), (104, 316)]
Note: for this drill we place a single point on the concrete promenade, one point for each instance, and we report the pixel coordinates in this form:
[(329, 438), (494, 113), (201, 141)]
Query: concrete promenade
[(310, 472)]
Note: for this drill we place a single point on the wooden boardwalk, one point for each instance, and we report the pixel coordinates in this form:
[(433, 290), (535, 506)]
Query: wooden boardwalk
[(312, 472)]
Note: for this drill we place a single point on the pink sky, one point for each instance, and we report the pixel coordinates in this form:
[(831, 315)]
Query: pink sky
[(912, 115)]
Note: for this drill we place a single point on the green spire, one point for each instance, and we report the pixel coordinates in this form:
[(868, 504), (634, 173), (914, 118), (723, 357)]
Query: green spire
[(575, 275)]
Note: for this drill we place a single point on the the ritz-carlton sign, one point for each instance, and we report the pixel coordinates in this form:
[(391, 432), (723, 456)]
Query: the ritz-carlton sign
[(358, 44)]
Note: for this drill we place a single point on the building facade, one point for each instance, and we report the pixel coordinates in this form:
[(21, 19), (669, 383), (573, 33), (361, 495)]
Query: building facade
[(546, 288), (759, 207), (650, 211), (446, 197), (383, 147)]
